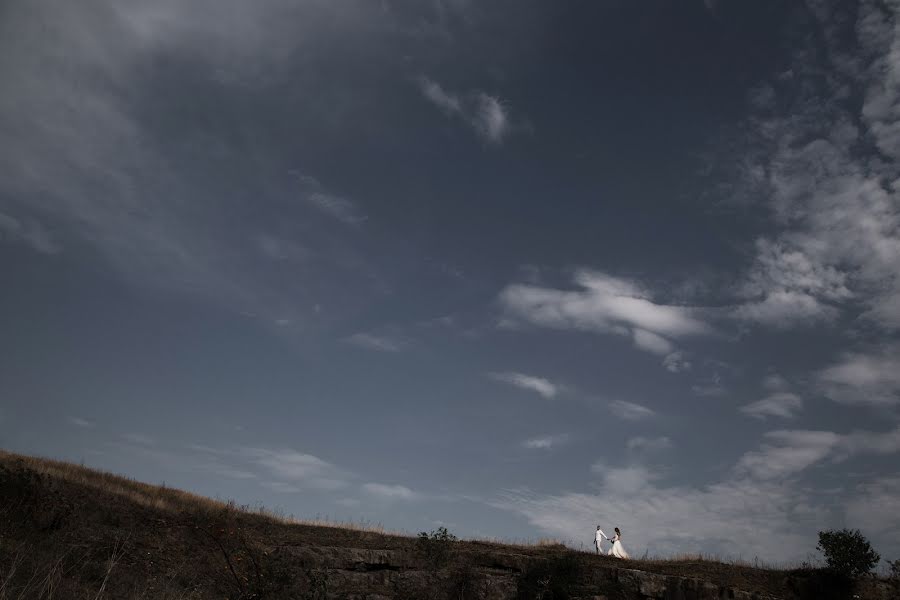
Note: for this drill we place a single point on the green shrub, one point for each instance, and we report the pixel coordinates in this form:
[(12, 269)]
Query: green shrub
[(847, 552)]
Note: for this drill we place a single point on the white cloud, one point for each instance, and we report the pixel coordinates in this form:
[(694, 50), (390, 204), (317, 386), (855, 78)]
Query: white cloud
[(782, 309), (775, 383), (626, 480), (79, 422), (483, 112), (645, 444), (758, 508), (340, 208), (788, 453), (869, 442), (389, 492), (375, 342), (858, 378), (676, 519), (651, 342), (432, 90), (629, 410), (296, 469), (833, 198), (604, 304), (779, 404), (676, 362), (546, 442), (542, 386)]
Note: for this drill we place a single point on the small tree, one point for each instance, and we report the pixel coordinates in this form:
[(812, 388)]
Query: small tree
[(847, 552)]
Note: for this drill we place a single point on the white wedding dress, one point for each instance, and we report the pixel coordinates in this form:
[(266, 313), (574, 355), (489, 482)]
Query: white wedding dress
[(617, 550)]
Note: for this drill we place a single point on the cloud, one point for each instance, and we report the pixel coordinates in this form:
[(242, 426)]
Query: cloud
[(787, 453), (676, 519), (89, 161), (340, 208), (375, 342), (651, 342), (28, 232), (779, 404), (676, 362), (296, 469), (629, 410), (864, 378), (832, 193), (644, 444), (542, 386), (546, 442), (604, 304), (774, 383), (449, 103), (726, 517), (483, 112), (79, 422), (389, 492)]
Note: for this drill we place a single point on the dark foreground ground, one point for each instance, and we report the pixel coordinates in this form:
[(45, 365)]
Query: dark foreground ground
[(68, 532)]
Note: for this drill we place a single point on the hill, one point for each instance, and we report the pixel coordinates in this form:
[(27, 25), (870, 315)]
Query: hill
[(69, 532)]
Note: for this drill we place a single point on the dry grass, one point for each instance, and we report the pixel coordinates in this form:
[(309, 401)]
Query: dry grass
[(174, 500)]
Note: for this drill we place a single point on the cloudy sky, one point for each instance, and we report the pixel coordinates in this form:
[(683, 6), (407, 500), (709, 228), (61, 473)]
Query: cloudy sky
[(517, 268)]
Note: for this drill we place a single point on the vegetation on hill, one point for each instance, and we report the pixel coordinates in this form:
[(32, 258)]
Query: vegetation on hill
[(72, 533)]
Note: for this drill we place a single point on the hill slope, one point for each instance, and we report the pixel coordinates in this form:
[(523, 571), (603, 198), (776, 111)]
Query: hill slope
[(69, 532)]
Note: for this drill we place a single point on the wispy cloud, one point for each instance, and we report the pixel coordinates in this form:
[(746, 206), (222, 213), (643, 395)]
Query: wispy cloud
[(482, 111), (630, 411), (787, 452), (779, 404), (79, 422), (546, 442), (297, 469), (389, 492), (542, 386), (864, 378), (607, 305), (379, 343), (645, 444)]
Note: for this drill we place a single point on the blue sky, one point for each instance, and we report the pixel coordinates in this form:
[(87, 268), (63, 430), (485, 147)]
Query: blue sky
[(517, 268)]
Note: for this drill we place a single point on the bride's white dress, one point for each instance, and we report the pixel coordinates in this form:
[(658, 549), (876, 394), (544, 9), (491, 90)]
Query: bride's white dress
[(617, 550)]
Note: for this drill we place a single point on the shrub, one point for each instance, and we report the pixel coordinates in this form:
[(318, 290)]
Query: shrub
[(436, 546), (894, 569), (847, 552)]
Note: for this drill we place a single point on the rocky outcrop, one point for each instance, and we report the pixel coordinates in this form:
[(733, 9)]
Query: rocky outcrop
[(357, 574)]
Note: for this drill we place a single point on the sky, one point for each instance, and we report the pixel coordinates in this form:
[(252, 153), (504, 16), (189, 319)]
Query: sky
[(515, 268)]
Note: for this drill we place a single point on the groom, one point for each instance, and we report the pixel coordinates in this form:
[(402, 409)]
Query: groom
[(598, 538)]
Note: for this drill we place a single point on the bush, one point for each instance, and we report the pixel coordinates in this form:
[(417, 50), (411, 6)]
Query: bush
[(436, 547), (894, 569), (847, 552)]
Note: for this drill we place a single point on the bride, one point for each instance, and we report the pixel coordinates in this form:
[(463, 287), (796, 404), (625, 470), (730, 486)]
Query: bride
[(617, 549)]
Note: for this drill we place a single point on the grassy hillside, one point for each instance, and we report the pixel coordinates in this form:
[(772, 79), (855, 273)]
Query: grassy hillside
[(69, 532)]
